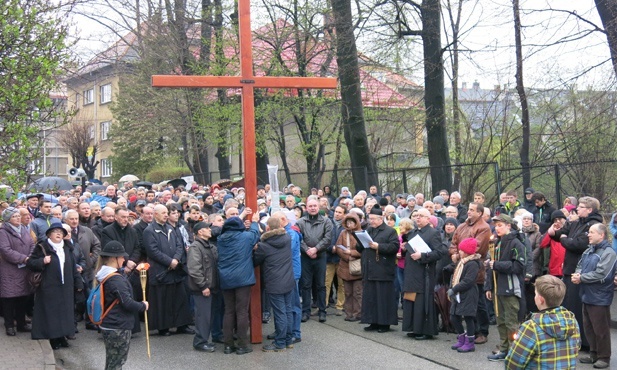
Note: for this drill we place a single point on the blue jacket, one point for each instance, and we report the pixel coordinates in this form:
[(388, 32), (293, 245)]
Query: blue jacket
[(296, 238), (612, 227), (41, 224), (235, 247), (597, 269)]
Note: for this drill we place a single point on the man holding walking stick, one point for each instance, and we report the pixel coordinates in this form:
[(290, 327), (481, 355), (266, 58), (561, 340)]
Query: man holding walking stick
[(509, 267)]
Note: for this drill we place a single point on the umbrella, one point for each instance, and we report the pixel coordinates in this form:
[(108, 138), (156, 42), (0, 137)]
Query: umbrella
[(50, 183), (96, 188), (177, 182), (145, 184), (50, 198), (223, 183), (127, 178), (95, 181), (102, 200)]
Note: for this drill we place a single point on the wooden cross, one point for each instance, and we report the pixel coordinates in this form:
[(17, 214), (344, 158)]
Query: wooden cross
[(247, 81)]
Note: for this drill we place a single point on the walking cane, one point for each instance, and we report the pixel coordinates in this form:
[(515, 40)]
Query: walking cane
[(491, 250), (143, 276)]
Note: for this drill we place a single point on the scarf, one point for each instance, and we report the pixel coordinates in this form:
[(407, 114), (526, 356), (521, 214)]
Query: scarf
[(459, 268), (59, 249), (16, 229)]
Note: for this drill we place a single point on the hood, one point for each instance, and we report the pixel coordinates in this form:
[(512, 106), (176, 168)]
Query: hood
[(593, 216), (233, 224), (277, 238), (355, 218), (557, 323), (104, 271)]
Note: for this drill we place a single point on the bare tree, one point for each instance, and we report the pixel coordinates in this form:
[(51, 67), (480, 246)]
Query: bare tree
[(77, 140), (520, 89)]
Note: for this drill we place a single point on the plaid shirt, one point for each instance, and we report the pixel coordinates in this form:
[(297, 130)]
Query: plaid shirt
[(549, 340)]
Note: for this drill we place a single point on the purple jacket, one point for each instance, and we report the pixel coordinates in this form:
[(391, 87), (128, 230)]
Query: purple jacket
[(14, 248)]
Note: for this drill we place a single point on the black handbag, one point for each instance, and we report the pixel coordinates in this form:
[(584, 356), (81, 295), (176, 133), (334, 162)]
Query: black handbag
[(35, 278)]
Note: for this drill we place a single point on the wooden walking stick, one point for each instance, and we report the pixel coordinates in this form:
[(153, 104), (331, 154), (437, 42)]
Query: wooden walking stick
[(143, 276), (491, 251)]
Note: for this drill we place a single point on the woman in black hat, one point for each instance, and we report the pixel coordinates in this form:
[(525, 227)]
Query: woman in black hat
[(119, 321), (54, 297)]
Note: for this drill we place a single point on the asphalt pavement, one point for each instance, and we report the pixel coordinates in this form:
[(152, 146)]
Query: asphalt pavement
[(336, 344)]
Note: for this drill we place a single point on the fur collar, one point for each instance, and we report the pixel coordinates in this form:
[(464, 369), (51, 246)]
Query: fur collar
[(271, 233)]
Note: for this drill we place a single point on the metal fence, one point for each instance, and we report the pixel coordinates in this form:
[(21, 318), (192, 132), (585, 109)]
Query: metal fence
[(596, 178)]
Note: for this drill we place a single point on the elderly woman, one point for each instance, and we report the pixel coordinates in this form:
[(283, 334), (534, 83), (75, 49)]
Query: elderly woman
[(345, 247), (16, 244), (54, 298)]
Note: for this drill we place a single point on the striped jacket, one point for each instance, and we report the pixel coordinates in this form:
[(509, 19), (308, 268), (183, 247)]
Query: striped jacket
[(549, 340)]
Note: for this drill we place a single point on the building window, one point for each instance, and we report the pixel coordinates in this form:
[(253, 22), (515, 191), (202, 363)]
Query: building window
[(105, 93), (105, 168), (105, 126), (92, 130), (88, 96)]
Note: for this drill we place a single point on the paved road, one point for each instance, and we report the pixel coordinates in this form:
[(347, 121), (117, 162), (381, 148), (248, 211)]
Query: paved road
[(334, 344)]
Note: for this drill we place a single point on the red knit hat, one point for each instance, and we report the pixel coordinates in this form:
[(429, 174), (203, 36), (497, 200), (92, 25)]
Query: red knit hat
[(468, 245)]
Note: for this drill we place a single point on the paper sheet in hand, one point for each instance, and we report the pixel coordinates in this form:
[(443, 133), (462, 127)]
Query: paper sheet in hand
[(364, 238), (418, 245), (341, 247)]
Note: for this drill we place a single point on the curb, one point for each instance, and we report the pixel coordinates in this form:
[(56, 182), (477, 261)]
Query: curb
[(48, 354)]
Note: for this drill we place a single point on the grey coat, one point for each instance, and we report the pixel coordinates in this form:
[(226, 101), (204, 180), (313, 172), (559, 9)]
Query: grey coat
[(14, 249), (91, 248)]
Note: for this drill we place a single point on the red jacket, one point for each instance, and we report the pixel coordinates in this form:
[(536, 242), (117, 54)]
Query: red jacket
[(558, 253)]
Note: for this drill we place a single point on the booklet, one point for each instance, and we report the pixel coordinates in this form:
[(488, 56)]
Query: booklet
[(341, 247), (363, 238), (419, 245)]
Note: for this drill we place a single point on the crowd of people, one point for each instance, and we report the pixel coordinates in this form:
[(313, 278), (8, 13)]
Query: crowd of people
[(543, 275)]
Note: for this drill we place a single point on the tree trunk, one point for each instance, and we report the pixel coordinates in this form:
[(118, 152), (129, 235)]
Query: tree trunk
[(520, 89), (456, 113), (434, 101), (351, 96), (607, 9)]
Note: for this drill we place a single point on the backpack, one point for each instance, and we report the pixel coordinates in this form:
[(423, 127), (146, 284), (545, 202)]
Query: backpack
[(96, 302)]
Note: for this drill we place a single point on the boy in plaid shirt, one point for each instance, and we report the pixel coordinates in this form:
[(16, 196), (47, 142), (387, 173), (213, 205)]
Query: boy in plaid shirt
[(551, 338)]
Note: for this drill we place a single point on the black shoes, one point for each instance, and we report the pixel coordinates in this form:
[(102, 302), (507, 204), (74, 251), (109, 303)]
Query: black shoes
[(229, 349), (164, 333), (205, 348), (185, 330), (91, 326), (217, 340), (271, 336), (11, 332), (295, 340), (305, 317), (383, 328), (265, 317), (27, 328), (243, 350), (372, 327), (322, 317), (424, 337)]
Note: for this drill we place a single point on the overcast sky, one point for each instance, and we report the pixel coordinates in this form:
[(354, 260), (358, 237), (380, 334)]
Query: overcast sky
[(488, 38)]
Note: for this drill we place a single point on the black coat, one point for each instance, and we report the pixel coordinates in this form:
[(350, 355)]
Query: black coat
[(542, 216), (576, 240), (382, 268), (274, 254), (122, 315), (420, 274), (162, 245), (127, 237), (509, 266), (54, 301), (98, 227), (467, 290)]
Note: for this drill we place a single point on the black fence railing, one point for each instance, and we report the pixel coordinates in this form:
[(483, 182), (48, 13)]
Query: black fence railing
[(597, 178)]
